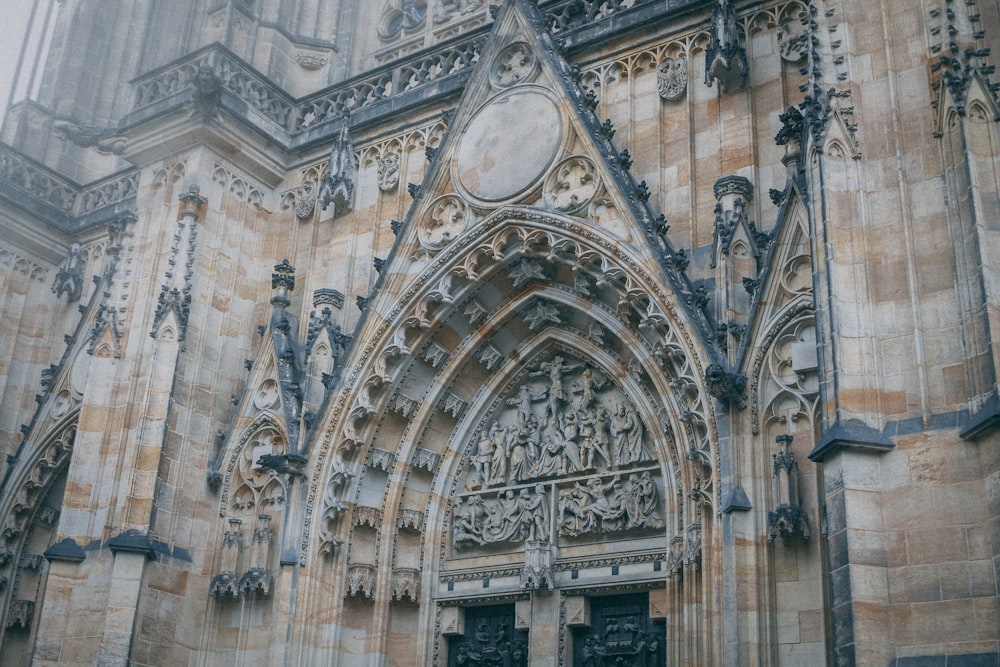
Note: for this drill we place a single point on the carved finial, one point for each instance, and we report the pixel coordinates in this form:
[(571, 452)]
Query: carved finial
[(192, 200), (283, 281), (788, 518)]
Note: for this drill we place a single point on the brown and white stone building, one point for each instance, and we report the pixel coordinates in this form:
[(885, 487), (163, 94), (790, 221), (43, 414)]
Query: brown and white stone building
[(555, 332)]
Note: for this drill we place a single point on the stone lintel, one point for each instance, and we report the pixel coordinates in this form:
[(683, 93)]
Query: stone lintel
[(850, 434)]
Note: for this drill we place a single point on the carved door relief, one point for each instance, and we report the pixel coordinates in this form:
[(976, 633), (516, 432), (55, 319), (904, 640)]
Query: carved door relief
[(620, 634), (490, 639), (565, 456)]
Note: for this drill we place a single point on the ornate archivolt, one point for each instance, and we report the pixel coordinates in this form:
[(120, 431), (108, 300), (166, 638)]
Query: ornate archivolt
[(27, 511), (591, 422)]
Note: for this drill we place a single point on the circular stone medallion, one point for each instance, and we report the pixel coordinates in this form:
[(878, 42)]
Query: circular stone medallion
[(572, 184), (508, 145), (443, 223), (514, 64)]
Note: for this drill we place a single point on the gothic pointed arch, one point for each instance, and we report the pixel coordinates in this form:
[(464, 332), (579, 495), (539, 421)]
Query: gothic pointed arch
[(539, 326), (532, 376), (786, 307), (31, 504)]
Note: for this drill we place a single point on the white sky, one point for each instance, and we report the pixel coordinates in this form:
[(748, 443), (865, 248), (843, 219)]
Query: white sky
[(13, 21)]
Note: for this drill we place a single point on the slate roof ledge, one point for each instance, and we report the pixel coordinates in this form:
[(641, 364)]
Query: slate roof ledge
[(985, 420), (736, 501), (850, 434), (65, 550), (132, 541)]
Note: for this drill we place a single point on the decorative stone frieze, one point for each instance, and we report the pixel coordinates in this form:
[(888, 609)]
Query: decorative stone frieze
[(571, 435)]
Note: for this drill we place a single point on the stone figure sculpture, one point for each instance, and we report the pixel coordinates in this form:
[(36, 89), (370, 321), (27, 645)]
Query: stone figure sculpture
[(565, 427)]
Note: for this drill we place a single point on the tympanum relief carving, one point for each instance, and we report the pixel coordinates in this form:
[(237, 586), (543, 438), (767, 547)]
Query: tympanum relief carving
[(565, 455)]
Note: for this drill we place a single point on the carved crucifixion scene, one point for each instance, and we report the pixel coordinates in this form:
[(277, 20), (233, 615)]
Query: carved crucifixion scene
[(500, 333), (565, 455)]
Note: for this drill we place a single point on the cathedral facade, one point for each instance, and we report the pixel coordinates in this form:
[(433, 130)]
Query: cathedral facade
[(547, 332)]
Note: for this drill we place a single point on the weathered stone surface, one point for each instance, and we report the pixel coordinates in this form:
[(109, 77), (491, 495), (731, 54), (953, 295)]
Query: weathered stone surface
[(679, 348)]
